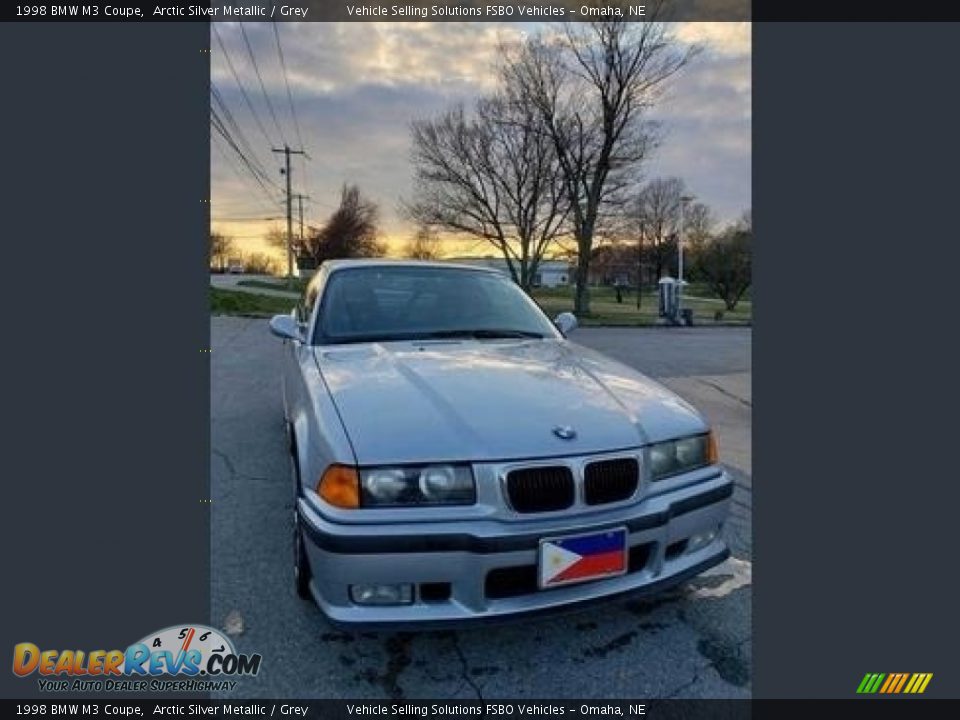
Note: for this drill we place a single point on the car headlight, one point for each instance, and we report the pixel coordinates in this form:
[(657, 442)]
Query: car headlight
[(681, 455), (386, 485), (424, 485)]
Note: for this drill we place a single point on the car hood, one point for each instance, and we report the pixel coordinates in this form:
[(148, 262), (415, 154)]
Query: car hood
[(407, 402)]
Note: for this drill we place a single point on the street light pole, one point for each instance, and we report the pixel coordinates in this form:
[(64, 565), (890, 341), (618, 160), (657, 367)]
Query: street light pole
[(684, 199), (640, 263)]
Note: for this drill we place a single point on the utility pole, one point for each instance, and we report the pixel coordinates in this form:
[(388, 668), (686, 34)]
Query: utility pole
[(287, 152), (300, 199)]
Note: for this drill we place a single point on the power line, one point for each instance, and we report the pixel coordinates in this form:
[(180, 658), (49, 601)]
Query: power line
[(249, 219), (263, 88), (243, 177), (260, 236), (219, 126), (293, 110), (237, 132), (240, 136), (243, 91), (286, 82), (225, 134)]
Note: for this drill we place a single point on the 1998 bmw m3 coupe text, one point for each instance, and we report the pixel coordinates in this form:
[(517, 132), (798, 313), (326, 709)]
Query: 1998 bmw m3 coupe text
[(456, 458)]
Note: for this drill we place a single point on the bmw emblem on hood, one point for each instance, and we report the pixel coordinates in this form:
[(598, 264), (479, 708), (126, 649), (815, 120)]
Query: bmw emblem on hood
[(564, 432)]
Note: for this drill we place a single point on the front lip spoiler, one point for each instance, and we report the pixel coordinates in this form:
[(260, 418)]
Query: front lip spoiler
[(574, 606), (462, 542)]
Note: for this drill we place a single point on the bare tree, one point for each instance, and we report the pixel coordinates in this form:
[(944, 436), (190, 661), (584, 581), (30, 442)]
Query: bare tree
[(260, 263), (492, 174), (698, 229), (424, 245), (221, 247), (592, 88), (350, 231), (698, 222), (277, 238), (726, 262), (658, 210)]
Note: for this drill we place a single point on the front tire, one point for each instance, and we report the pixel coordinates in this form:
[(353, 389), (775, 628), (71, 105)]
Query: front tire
[(301, 565)]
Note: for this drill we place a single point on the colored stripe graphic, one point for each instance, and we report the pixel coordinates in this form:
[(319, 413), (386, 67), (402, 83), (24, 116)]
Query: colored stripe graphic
[(870, 683), (918, 683), (886, 686), (894, 683)]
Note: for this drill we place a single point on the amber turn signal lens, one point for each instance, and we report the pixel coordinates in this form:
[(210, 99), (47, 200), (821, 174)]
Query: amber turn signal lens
[(713, 454), (340, 486)]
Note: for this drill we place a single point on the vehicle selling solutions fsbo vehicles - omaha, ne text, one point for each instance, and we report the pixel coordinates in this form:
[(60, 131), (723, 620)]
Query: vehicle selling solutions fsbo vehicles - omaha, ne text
[(455, 458)]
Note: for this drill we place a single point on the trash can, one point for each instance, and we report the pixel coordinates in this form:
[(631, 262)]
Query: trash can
[(686, 316)]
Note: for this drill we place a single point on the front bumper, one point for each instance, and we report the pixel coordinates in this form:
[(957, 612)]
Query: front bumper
[(486, 565)]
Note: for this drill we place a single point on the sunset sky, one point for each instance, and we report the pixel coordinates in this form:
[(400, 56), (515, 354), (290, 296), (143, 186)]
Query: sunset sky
[(355, 88)]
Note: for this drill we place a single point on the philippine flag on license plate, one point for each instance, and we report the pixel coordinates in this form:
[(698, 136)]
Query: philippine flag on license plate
[(584, 557)]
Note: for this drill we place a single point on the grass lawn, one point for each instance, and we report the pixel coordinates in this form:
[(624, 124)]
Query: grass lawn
[(605, 310), (227, 302), (297, 285)]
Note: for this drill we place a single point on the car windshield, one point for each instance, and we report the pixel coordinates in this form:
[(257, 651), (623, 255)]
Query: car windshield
[(382, 303)]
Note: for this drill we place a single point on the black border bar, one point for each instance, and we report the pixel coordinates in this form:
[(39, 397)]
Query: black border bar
[(139, 11), (644, 708)]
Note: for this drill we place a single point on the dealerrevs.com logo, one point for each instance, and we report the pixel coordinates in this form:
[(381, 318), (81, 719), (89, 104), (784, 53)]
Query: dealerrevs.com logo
[(204, 656)]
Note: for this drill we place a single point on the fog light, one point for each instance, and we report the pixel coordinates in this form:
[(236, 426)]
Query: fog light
[(371, 594), (700, 540)]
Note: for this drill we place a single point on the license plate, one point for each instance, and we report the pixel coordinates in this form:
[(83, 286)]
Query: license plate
[(578, 558)]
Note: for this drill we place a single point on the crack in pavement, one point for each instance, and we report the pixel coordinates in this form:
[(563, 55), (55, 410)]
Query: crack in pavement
[(465, 666), (232, 469), (693, 681), (711, 664), (723, 391)]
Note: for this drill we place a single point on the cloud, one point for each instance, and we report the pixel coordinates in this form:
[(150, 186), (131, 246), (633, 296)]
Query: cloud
[(728, 38), (357, 87), (323, 58), (707, 115)]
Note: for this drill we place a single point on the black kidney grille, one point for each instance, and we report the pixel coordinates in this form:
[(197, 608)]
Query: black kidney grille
[(610, 481), (540, 489)]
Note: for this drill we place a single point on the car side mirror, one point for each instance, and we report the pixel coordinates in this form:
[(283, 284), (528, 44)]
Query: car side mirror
[(565, 322), (286, 327)]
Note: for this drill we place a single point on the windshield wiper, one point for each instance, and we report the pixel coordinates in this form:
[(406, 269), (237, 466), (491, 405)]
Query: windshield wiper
[(484, 334)]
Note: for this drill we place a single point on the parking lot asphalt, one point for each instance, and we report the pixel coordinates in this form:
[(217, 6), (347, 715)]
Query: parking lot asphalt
[(692, 642)]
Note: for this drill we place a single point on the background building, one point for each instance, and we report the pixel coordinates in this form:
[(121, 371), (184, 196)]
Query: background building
[(550, 273)]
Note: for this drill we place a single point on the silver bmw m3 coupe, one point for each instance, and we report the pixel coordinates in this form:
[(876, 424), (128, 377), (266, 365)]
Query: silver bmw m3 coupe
[(457, 459)]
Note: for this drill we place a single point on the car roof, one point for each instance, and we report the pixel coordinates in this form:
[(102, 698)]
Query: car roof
[(343, 264)]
